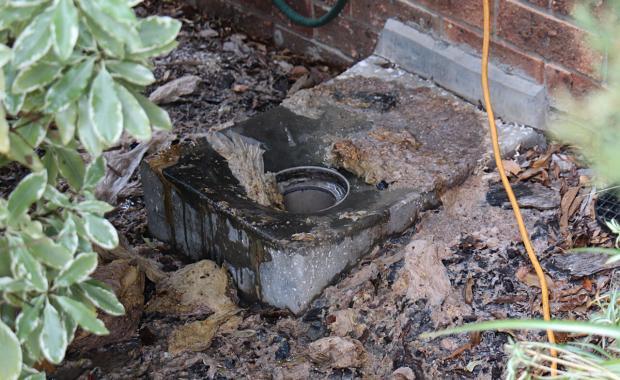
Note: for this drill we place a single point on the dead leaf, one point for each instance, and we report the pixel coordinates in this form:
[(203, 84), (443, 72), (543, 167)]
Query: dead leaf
[(127, 282), (587, 284), (531, 279), (344, 322), (403, 373), (469, 291), (303, 236), (297, 72), (197, 336), (529, 173), (474, 340), (511, 167), (175, 89), (337, 352), (240, 88), (566, 207), (122, 164)]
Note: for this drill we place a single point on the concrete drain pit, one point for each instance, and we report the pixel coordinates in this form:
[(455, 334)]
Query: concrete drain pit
[(328, 150), (311, 189)]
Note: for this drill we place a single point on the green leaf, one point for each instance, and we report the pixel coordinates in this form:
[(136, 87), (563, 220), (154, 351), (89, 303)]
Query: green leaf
[(119, 29), (135, 120), (100, 231), (67, 237), (95, 171), (46, 251), (35, 76), (102, 297), (5, 54), (11, 285), (53, 339), (70, 326), (33, 132), (105, 108), (14, 17), (29, 318), (94, 207), (131, 72), (49, 162), (56, 197), (12, 102), (156, 32), (28, 191), (78, 271), (70, 86), (34, 101), (25, 3), (25, 266), (22, 152), (84, 316), (86, 131), (71, 166), (156, 51), (33, 42), (10, 354), (86, 40), (158, 117), (32, 344), (65, 28), (36, 376), (576, 327), (109, 44), (5, 143), (65, 122)]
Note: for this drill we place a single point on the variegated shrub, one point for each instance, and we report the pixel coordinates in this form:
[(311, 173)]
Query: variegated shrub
[(71, 77)]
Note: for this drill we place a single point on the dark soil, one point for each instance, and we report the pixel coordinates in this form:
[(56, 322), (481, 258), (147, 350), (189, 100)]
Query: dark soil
[(241, 77)]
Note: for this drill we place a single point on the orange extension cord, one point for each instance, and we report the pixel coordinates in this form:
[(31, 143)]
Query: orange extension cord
[(500, 167)]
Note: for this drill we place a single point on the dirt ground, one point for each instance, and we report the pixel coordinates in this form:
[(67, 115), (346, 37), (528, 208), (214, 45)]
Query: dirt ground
[(461, 263)]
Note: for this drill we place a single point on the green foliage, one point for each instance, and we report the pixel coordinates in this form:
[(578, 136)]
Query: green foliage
[(71, 74), (593, 122)]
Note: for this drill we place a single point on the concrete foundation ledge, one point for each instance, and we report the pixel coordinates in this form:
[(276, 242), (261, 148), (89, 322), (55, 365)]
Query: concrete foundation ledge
[(515, 98)]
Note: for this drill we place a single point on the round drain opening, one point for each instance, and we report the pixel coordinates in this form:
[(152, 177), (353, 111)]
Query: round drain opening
[(310, 189)]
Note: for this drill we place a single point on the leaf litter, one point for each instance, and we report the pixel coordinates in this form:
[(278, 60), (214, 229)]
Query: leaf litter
[(461, 263)]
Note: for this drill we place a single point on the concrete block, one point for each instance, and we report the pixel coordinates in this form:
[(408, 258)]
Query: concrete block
[(514, 98)]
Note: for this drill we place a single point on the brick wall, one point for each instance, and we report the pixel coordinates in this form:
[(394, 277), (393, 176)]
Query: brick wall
[(535, 37)]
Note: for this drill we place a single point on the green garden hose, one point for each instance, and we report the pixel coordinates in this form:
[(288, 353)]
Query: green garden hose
[(298, 19)]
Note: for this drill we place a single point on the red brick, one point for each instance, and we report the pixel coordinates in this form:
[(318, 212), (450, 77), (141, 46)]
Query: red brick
[(554, 39), (500, 51), (299, 44), (352, 38), (469, 11), (559, 80), (263, 6), (325, 5), (375, 13), (566, 7), (303, 7), (540, 3)]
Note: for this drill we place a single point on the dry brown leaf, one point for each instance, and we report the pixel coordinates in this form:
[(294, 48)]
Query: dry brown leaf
[(531, 279), (511, 167), (337, 352), (529, 173), (566, 207), (469, 291), (240, 88)]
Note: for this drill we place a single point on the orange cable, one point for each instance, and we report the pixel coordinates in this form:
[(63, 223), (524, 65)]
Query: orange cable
[(500, 167)]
